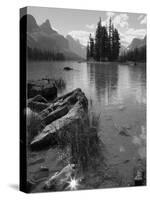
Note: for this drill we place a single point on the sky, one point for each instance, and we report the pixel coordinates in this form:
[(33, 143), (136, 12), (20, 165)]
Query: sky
[(80, 23)]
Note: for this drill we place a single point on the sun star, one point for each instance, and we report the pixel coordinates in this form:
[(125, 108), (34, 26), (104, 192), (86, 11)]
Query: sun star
[(73, 183)]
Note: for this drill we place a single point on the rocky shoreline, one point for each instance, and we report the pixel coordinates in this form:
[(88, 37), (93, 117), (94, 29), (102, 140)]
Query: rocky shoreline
[(63, 143), (65, 128), (58, 116)]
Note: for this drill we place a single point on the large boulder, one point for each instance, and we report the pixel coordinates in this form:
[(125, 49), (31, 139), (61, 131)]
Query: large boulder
[(38, 98), (36, 106), (37, 103), (62, 118), (44, 88)]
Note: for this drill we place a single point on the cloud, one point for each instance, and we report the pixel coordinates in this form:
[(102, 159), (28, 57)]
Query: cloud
[(144, 20), (131, 33), (110, 14), (140, 17), (91, 26), (121, 20), (80, 35), (140, 33), (55, 29)]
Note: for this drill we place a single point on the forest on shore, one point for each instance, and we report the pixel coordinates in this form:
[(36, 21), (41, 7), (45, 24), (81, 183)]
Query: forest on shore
[(135, 55), (35, 54), (105, 46)]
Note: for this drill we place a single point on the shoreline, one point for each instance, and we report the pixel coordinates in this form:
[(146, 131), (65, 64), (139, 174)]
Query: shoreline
[(88, 62)]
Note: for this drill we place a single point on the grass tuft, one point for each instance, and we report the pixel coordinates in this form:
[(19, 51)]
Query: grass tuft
[(34, 125)]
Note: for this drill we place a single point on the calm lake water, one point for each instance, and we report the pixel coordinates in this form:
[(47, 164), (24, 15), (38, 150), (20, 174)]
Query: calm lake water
[(118, 94)]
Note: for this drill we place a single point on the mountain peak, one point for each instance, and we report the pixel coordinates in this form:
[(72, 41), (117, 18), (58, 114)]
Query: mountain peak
[(69, 37), (76, 47), (31, 23), (47, 23), (46, 27), (137, 42)]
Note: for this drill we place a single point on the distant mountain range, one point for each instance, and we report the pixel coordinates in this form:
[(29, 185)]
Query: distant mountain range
[(43, 37), (76, 47), (135, 43)]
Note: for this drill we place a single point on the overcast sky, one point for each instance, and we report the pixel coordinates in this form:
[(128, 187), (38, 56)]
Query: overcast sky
[(80, 23)]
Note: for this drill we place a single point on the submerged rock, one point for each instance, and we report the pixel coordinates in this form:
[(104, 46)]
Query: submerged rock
[(59, 179), (43, 88), (37, 106), (38, 98), (68, 68), (124, 132), (139, 178), (62, 117), (37, 103)]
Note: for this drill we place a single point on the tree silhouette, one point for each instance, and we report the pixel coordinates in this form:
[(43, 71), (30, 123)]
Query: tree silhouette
[(107, 43), (37, 54)]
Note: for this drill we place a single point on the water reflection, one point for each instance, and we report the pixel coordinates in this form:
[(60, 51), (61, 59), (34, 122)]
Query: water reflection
[(103, 78), (140, 142), (106, 83), (117, 84), (118, 92)]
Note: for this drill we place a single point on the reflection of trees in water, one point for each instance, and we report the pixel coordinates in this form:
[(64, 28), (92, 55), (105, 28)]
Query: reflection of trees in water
[(103, 78), (132, 83), (138, 73)]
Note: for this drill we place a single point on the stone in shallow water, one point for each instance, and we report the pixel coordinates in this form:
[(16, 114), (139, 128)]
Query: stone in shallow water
[(43, 88), (59, 179)]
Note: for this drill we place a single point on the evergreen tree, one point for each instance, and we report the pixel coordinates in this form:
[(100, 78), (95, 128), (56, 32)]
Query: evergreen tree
[(88, 52), (115, 44), (135, 55), (110, 31), (37, 54), (91, 46), (98, 41), (104, 43)]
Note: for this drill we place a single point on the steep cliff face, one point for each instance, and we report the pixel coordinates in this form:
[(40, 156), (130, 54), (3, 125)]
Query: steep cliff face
[(137, 43), (76, 47), (43, 37)]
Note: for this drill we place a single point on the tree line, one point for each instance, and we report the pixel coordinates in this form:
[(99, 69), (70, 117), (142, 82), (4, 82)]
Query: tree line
[(106, 44), (135, 55), (38, 55)]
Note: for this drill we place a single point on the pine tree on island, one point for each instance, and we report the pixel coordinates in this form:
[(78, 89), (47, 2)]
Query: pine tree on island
[(107, 43)]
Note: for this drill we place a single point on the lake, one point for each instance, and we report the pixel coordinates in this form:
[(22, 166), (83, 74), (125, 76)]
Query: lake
[(118, 94)]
